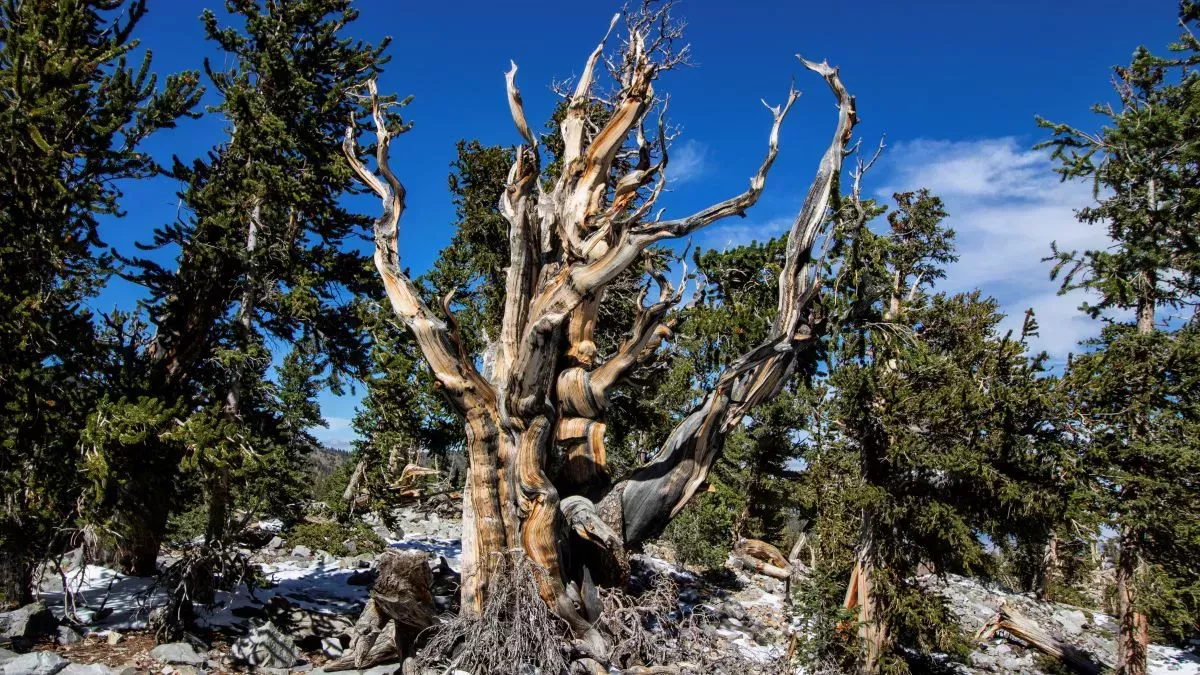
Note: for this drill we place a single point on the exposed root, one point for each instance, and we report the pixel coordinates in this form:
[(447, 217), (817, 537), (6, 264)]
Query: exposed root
[(515, 630), (651, 631)]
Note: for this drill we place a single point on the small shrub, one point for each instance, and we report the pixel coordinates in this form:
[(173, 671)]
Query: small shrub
[(332, 537), (187, 526)]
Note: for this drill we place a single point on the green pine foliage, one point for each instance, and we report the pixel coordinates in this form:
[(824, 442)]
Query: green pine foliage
[(262, 259), (1138, 399), (76, 113), (1131, 393), (942, 419)]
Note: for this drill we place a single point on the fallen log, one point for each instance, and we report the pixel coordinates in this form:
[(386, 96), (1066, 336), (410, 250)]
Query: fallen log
[(1012, 622), (400, 607), (758, 556)]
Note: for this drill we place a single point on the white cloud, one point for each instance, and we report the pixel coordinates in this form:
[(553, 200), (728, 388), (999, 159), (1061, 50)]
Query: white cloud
[(1006, 206), (688, 162)]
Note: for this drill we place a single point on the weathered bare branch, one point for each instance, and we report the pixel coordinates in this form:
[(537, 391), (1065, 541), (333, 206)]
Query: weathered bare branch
[(516, 106), (736, 205), (573, 123), (661, 488), (470, 393)]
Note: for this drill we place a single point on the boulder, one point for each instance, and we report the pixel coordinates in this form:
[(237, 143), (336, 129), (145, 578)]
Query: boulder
[(32, 620), (6, 655), (114, 637), (276, 543), (301, 552), (177, 653), (332, 647), (266, 646), (67, 635), (34, 663)]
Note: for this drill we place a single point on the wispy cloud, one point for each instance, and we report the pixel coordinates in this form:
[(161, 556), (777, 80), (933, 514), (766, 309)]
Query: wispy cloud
[(1006, 206), (688, 162)]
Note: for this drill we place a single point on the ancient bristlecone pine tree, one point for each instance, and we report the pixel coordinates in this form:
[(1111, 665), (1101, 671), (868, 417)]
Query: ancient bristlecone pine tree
[(540, 391)]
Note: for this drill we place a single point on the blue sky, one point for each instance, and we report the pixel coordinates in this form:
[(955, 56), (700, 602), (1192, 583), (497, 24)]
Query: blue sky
[(953, 85)]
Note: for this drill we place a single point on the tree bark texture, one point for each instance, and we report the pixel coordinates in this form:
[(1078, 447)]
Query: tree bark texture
[(861, 596), (16, 581), (400, 607), (546, 389), (1133, 636)]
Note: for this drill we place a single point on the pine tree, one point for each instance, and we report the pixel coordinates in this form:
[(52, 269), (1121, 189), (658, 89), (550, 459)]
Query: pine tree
[(262, 254), (75, 115), (945, 418), (1134, 417)]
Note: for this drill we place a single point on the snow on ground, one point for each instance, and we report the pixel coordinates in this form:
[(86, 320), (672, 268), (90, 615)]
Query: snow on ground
[(751, 613), (975, 603), (97, 589), (320, 584)]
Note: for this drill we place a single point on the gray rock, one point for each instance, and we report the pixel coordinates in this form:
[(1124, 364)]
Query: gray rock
[(177, 653), (129, 669), (351, 546), (982, 661), (114, 637), (73, 560), (30, 621), (187, 670), (34, 663), (1017, 665), (276, 543), (266, 647), (6, 655), (331, 647), (88, 669), (301, 552), (67, 635)]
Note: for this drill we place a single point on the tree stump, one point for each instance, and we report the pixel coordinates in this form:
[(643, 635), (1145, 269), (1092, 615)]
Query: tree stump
[(400, 607)]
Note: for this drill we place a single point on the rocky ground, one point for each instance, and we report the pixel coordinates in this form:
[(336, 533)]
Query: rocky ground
[(294, 623)]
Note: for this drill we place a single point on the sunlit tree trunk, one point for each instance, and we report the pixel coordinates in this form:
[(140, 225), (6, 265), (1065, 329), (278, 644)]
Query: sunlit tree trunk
[(547, 389)]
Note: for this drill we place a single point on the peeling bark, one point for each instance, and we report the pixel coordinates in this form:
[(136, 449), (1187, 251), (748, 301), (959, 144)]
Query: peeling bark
[(546, 387)]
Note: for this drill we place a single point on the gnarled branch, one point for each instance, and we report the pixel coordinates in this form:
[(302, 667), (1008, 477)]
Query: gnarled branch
[(661, 488)]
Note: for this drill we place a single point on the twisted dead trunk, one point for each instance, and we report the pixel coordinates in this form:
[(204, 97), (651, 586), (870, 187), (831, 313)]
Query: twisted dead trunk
[(546, 389)]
